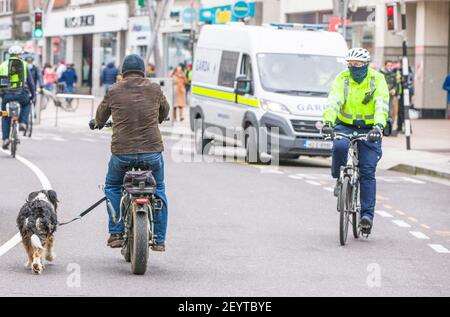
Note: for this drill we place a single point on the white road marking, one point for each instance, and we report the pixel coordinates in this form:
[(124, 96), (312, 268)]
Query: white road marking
[(401, 223), (313, 183), (439, 248), (383, 213), (88, 140), (58, 139), (329, 189), (271, 171), (419, 235), (295, 177), (11, 243), (415, 181)]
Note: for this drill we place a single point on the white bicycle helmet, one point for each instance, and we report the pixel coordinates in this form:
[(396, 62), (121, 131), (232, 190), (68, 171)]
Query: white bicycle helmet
[(358, 54), (15, 50)]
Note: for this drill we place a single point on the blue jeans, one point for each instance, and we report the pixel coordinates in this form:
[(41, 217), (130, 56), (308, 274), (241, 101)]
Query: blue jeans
[(21, 97), (369, 155), (118, 165)]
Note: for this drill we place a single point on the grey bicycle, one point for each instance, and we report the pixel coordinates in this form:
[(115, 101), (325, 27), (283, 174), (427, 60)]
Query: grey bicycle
[(349, 203)]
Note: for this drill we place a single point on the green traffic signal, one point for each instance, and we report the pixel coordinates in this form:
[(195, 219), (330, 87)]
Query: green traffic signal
[(38, 33)]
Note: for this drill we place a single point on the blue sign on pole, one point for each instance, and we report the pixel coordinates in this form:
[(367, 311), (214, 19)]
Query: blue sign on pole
[(188, 15), (241, 9)]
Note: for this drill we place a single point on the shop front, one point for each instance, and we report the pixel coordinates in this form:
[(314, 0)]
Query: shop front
[(6, 25), (90, 38)]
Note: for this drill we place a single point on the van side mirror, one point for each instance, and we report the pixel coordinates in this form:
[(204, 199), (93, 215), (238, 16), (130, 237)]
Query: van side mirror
[(242, 85)]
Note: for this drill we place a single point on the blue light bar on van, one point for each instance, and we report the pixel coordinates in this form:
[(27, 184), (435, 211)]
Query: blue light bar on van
[(297, 26)]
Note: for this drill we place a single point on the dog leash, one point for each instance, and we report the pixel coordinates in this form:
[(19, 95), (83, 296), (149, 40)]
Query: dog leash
[(84, 213)]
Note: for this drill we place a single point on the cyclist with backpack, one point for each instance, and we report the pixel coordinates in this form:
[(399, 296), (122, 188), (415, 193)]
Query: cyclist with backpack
[(17, 84)]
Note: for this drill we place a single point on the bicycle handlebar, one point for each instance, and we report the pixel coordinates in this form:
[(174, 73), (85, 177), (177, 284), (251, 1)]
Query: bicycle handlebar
[(351, 137)]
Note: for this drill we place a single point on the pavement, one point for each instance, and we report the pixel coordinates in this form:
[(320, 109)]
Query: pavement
[(234, 229)]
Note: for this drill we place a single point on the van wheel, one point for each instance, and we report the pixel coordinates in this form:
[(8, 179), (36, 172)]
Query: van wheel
[(200, 141), (252, 154)]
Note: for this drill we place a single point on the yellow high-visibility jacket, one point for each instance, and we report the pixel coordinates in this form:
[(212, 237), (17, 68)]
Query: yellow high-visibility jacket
[(15, 80), (345, 101)]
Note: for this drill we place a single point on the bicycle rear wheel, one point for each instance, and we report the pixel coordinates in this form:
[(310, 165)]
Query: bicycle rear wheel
[(343, 206), (139, 243)]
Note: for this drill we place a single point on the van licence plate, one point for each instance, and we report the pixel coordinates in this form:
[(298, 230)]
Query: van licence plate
[(315, 144)]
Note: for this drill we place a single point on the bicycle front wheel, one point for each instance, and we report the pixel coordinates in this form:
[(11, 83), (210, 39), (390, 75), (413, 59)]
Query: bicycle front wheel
[(343, 206), (356, 212), (14, 139)]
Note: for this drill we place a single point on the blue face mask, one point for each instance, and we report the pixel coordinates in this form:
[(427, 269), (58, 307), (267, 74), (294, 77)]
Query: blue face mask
[(359, 73)]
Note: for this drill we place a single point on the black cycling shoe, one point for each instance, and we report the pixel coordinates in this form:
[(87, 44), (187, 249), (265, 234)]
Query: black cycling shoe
[(366, 225), (5, 144)]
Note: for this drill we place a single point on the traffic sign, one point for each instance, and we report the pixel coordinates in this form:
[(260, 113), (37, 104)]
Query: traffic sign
[(241, 9)]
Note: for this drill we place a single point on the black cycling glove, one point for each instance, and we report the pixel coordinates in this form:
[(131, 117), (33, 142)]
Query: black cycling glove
[(327, 129), (376, 134)]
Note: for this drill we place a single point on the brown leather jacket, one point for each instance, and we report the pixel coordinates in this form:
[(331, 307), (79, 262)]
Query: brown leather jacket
[(136, 106)]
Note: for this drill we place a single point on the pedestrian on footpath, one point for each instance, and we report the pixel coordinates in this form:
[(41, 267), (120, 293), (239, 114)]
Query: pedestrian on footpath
[(60, 69), (446, 87), (36, 73), (391, 81), (109, 76), (69, 78), (399, 94), (50, 77), (180, 82)]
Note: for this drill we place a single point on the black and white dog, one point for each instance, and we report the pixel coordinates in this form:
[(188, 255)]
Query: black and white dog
[(37, 222)]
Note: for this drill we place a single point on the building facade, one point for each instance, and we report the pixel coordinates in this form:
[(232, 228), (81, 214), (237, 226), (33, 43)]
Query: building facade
[(428, 27)]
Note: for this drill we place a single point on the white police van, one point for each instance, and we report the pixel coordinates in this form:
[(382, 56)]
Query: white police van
[(257, 78)]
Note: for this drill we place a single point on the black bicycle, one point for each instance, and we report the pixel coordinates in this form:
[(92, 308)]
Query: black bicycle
[(137, 210), (12, 111), (348, 202)]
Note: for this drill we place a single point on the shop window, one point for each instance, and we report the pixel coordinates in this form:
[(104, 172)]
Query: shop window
[(228, 67), (5, 6)]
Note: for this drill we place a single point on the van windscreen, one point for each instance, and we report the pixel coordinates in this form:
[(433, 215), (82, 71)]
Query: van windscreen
[(297, 73)]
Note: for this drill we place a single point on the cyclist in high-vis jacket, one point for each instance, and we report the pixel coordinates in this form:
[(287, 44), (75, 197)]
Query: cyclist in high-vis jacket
[(17, 85), (358, 101)]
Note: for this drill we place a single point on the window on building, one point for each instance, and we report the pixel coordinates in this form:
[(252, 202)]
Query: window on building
[(228, 67), (5, 6)]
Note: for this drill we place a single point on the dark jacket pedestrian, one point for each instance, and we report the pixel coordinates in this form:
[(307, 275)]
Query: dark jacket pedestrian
[(446, 87), (69, 77), (137, 106), (109, 74)]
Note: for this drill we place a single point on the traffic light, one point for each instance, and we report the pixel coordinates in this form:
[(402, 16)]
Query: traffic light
[(141, 3), (391, 17), (38, 32)]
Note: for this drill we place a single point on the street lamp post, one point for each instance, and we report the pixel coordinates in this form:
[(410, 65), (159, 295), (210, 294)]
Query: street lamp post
[(405, 72)]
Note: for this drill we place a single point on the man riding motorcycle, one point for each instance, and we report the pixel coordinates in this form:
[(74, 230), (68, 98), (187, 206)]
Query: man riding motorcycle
[(358, 101), (16, 85), (137, 106)]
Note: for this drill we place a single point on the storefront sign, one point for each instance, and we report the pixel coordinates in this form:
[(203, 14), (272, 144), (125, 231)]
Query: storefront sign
[(5, 28), (139, 31), (87, 20), (241, 9), (228, 13)]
